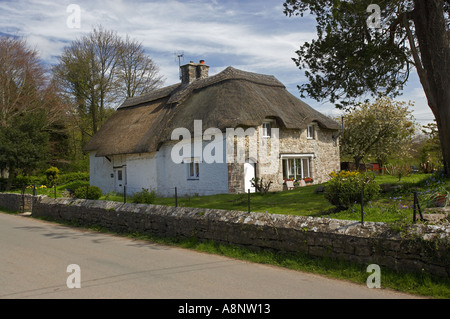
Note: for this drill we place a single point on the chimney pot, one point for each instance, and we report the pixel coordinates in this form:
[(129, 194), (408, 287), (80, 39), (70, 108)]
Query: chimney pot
[(193, 71)]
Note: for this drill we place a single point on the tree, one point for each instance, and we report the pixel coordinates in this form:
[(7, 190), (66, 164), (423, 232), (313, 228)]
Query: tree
[(29, 107), (23, 144), (378, 130), (349, 58), (98, 71), (429, 149), (138, 74)]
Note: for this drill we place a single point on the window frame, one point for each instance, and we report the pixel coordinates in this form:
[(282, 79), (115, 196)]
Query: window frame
[(311, 132), (193, 169), (267, 129), (297, 167)]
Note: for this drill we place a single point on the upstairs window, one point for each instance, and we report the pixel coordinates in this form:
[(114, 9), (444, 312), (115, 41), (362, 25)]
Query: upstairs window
[(267, 129), (311, 132)]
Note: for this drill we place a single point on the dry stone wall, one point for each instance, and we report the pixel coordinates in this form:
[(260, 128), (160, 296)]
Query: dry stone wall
[(415, 248)]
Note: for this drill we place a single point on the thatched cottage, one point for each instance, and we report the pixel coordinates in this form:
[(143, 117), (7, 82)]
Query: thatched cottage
[(213, 134)]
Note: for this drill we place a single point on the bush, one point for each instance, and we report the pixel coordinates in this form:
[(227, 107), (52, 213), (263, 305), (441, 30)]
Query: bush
[(143, 197), (344, 189), (92, 192), (52, 176), (72, 177)]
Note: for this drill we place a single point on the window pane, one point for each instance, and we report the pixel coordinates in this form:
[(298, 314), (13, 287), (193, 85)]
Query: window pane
[(305, 164), (285, 169), (266, 129), (291, 168), (191, 169)]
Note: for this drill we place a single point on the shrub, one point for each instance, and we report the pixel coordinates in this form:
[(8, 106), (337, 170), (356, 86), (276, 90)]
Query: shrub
[(88, 192), (143, 197), (52, 176), (260, 185), (72, 177), (344, 189)]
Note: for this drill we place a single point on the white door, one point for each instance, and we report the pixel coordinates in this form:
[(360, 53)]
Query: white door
[(120, 179), (249, 173)]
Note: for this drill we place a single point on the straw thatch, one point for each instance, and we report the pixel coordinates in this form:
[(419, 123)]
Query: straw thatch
[(229, 99)]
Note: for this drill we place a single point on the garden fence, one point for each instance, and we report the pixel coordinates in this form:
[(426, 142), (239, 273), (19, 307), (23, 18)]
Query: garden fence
[(417, 210)]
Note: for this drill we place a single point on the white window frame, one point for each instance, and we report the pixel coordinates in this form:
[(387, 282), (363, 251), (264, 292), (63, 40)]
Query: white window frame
[(311, 132), (267, 129), (193, 168), (294, 163)]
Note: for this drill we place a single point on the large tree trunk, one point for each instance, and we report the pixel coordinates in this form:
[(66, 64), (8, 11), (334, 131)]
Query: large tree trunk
[(434, 68)]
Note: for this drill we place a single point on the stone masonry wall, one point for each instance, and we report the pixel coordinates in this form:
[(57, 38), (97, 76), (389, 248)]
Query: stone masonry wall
[(326, 157), (418, 248), (16, 202)]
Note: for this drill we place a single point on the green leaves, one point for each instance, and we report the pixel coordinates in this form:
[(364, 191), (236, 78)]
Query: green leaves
[(378, 130), (24, 144), (348, 59)]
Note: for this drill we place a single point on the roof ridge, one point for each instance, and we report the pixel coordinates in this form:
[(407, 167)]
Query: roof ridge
[(229, 73), (150, 96), (179, 92)]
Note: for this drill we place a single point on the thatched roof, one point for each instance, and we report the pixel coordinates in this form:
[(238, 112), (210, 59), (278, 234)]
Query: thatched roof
[(229, 99)]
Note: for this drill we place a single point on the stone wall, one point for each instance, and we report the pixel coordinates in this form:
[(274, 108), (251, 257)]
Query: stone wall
[(416, 248), (322, 150), (16, 202)]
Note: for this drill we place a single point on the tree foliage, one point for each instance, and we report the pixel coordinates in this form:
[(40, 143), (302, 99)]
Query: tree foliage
[(350, 59), (377, 130), (30, 110)]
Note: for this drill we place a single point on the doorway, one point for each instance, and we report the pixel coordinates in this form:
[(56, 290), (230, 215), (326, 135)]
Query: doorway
[(249, 174)]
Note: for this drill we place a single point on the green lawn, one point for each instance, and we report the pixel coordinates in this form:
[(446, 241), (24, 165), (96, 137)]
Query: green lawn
[(394, 206)]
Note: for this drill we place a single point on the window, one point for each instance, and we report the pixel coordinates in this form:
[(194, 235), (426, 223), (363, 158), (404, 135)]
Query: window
[(296, 168), (310, 132), (193, 169), (266, 129), (119, 175)]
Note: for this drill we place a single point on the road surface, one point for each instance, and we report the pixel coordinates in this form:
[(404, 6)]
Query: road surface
[(35, 255)]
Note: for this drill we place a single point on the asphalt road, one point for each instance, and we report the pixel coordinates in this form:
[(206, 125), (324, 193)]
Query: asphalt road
[(35, 255)]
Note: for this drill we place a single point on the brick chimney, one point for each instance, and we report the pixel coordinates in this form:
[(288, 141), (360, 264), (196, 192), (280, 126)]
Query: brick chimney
[(193, 71)]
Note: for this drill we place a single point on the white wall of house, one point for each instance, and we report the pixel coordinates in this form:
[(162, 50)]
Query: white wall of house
[(212, 177), (100, 170), (141, 172)]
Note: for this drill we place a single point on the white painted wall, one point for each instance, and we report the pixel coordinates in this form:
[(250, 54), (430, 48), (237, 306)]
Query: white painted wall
[(213, 177), (100, 170), (141, 173)]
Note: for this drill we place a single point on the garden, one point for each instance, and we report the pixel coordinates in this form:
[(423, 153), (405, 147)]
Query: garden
[(348, 195)]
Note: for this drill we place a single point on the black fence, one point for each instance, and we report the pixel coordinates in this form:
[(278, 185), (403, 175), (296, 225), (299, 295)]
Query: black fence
[(417, 210)]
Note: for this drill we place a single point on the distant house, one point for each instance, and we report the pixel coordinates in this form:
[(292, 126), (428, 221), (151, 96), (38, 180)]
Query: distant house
[(177, 137)]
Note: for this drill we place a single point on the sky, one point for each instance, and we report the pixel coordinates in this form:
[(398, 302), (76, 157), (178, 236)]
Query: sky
[(251, 35)]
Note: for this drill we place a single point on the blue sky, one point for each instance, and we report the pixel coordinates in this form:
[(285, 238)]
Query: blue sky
[(252, 35)]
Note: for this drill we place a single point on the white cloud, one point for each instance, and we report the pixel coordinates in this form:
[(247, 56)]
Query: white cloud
[(253, 35)]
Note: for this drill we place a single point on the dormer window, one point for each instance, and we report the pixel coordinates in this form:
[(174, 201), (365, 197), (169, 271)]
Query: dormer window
[(311, 132), (266, 129)]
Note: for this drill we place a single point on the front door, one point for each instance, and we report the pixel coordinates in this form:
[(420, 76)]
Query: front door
[(120, 179), (249, 173)]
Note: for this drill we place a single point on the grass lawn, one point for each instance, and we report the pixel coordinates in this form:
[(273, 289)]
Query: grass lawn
[(394, 206)]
